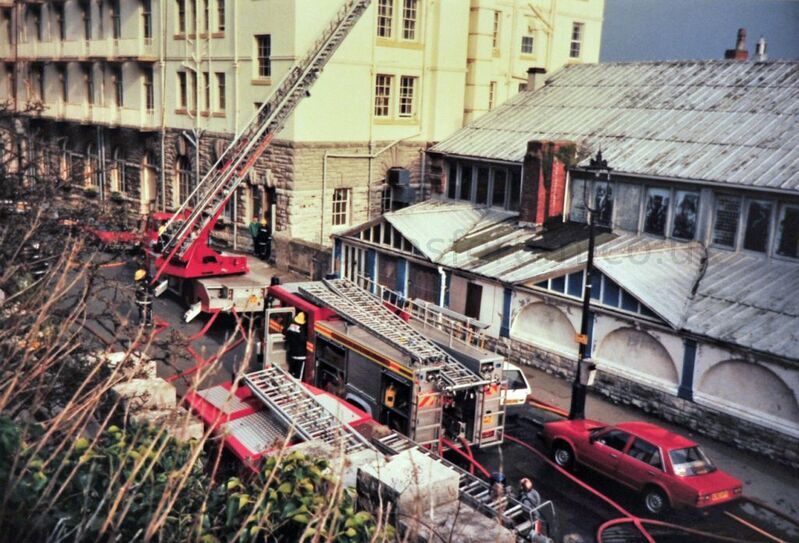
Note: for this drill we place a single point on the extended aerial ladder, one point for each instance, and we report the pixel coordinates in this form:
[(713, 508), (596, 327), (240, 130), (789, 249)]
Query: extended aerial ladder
[(353, 303), (184, 238)]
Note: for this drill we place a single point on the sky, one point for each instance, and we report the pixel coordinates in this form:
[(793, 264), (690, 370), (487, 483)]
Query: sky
[(697, 29)]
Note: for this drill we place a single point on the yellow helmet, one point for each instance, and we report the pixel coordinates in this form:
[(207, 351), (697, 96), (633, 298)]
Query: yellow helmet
[(139, 275), (299, 318), (263, 222)]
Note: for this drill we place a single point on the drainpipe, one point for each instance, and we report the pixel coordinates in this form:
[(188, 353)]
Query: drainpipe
[(162, 62), (443, 289)]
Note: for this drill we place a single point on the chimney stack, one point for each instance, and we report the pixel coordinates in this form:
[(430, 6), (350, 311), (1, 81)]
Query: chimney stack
[(544, 181), (740, 52), (760, 50), (535, 78)]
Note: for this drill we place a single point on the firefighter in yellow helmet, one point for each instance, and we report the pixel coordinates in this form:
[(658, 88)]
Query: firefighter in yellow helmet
[(263, 241), (144, 297), (296, 348)]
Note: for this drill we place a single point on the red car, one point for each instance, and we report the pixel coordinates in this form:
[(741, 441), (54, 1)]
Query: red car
[(667, 469)]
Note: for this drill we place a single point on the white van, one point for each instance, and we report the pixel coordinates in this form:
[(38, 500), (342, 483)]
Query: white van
[(518, 387)]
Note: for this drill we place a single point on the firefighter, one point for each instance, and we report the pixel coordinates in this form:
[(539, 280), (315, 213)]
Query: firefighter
[(263, 241), (296, 348), (144, 297), (529, 496)]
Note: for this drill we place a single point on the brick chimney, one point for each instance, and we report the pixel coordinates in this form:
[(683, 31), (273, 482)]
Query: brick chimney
[(544, 182), (740, 52)]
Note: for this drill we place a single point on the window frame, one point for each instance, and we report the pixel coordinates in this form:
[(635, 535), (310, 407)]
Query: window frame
[(63, 79), (531, 39), (119, 86), (410, 20), (180, 18), (116, 19), (183, 90), (636, 439), (496, 30), (340, 210), (383, 101), (405, 100), (492, 94), (147, 19), (149, 89), (454, 183), (60, 20), (221, 91), (780, 217), (384, 27), (263, 63), (220, 15), (206, 90), (769, 241), (643, 210), (576, 43)]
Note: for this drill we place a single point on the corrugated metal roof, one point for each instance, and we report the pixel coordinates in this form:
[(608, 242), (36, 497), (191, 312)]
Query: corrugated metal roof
[(733, 297), (720, 121)]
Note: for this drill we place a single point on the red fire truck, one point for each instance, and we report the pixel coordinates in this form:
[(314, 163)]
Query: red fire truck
[(363, 352)]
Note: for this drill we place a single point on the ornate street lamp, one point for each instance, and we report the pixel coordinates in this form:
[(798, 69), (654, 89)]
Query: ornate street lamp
[(585, 366)]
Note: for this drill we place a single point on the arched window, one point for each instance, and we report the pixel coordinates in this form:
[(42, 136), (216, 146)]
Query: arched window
[(183, 183), (91, 169), (118, 173)]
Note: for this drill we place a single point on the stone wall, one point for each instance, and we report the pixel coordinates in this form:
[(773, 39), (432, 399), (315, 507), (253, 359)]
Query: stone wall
[(705, 420)]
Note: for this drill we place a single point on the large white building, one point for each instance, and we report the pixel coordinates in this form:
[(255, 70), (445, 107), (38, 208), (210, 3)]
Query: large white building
[(129, 86)]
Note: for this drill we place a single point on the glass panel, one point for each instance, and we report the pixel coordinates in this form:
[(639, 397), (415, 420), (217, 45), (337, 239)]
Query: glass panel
[(543, 284), (466, 183), (558, 283), (615, 439), (758, 221), (646, 453), (788, 244), (575, 284), (685, 213), (452, 180), (646, 312), (596, 285), (657, 211), (690, 461), (603, 203), (500, 187), (515, 190), (628, 303), (610, 292), (482, 186), (725, 227)]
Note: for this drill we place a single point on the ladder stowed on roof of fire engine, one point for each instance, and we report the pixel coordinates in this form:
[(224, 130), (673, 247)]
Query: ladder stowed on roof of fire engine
[(300, 410), (355, 304), (213, 191)]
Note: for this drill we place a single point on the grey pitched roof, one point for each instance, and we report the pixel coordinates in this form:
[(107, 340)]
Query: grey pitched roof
[(731, 297), (726, 122)]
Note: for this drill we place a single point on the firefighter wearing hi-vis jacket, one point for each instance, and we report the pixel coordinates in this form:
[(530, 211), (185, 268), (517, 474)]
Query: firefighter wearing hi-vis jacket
[(296, 345)]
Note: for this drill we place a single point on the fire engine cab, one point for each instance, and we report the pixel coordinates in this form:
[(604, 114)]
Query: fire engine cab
[(362, 351)]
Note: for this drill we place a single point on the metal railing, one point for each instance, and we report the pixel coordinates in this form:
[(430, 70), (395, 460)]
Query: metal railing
[(457, 327)]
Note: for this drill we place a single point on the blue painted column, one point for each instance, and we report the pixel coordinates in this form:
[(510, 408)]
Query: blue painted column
[(335, 264), (686, 388), (507, 296), (402, 277), (371, 268)]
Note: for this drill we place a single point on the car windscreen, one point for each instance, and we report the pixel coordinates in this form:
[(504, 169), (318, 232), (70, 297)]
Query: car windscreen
[(515, 379), (690, 461)]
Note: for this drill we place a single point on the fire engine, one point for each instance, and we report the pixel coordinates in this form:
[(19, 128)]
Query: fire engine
[(364, 352), (181, 258)]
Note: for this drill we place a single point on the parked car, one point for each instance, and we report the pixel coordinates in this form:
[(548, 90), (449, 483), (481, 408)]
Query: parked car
[(668, 470), (518, 387)]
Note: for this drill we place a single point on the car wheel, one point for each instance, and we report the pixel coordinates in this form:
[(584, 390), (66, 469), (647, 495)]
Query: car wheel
[(655, 501), (563, 455)]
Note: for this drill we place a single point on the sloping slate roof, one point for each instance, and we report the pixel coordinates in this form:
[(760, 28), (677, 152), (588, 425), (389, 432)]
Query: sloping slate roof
[(720, 121), (750, 301)]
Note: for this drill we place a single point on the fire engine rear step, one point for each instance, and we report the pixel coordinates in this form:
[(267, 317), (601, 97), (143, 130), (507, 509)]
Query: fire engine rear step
[(299, 409), (355, 304), (473, 490)]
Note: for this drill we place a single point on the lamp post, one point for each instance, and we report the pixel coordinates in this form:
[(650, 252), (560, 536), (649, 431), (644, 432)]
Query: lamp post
[(585, 366)]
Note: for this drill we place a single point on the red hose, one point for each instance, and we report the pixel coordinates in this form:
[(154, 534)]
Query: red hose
[(472, 461)]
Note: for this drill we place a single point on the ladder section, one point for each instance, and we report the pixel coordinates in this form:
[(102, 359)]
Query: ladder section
[(298, 409), (359, 306), (213, 191), (473, 490), (352, 303)]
